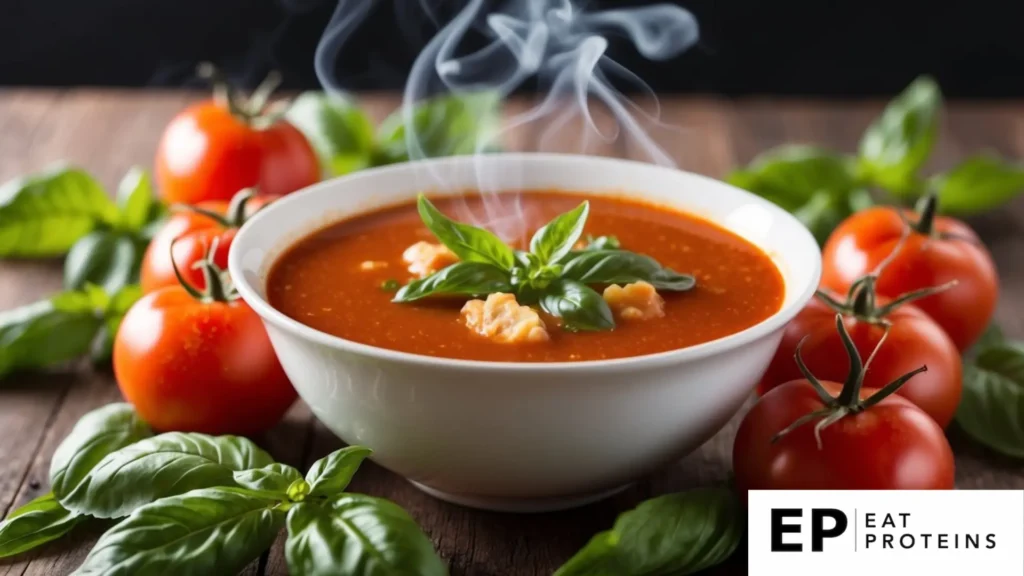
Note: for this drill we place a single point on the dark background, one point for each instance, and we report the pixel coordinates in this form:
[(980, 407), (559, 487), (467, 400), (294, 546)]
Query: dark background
[(785, 47)]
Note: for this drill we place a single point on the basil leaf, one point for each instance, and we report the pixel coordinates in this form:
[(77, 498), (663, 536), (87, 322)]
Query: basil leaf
[(339, 131), (621, 267), (898, 143), (602, 243), (580, 307), (107, 259), (96, 435), (45, 215), (34, 524), (204, 532), (135, 198), (978, 185), (992, 336), (674, 534), (274, 478), (46, 333), (469, 278), (992, 404), (556, 238), (118, 306), (822, 213), (469, 243), (791, 175), (357, 534), (161, 466), (442, 126), (331, 474)]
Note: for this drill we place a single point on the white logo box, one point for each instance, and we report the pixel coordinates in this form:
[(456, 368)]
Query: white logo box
[(927, 533)]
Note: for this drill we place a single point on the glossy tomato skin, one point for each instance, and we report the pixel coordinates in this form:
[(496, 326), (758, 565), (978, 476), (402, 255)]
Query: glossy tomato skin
[(890, 446), (190, 366), (867, 238), (914, 340), (206, 153), (195, 233)]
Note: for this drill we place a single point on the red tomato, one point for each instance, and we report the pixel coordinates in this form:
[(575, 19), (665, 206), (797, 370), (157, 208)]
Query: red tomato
[(195, 365), (890, 446), (211, 150), (937, 251), (192, 234), (914, 340)]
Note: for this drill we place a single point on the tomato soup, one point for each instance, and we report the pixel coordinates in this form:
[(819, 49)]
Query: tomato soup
[(340, 280)]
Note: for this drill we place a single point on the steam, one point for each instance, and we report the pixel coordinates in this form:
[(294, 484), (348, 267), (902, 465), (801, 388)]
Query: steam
[(553, 41)]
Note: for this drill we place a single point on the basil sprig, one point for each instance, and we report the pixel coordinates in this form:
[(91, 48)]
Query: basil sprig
[(552, 273), (62, 328), (991, 407), (822, 187), (204, 505), (673, 534)]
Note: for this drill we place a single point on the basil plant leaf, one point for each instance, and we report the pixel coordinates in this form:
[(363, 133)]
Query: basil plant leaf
[(579, 306), (95, 436), (339, 131), (992, 405), (274, 478), (135, 199), (161, 466), (447, 125), (44, 215), (978, 185), (46, 333), (40, 521), (602, 243), (365, 535), (469, 243), (105, 258), (898, 143), (103, 347), (621, 267), (556, 238), (470, 278), (674, 534), (331, 474), (791, 175), (203, 532)]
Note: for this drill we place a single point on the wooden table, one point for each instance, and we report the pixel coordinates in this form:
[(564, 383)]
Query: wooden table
[(107, 132)]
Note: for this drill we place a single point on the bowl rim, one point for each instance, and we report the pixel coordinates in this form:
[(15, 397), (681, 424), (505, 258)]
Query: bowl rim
[(658, 359)]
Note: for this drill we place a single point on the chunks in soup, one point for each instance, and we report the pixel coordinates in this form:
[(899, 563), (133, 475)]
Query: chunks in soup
[(570, 277)]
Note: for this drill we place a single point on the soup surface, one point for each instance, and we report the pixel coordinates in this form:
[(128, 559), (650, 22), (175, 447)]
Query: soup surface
[(322, 280)]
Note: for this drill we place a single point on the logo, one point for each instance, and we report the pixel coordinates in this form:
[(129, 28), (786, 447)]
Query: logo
[(888, 532)]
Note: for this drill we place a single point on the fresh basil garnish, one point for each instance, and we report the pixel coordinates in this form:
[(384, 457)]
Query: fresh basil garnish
[(578, 305), (94, 437), (556, 238), (469, 243), (332, 473), (469, 278), (674, 534), (207, 531), (339, 131), (161, 466), (448, 125), (602, 243), (136, 200), (34, 524), (979, 184), (368, 536), (621, 267), (103, 258), (992, 403), (273, 478), (45, 215), (898, 143)]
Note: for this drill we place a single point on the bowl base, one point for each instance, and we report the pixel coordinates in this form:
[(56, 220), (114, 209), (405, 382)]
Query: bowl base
[(519, 505)]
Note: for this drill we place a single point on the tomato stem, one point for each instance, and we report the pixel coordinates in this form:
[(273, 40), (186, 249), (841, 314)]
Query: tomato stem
[(850, 393), (218, 284), (862, 300), (235, 214), (927, 208), (251, 110)]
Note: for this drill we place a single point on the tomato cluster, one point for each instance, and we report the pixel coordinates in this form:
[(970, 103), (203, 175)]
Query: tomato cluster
[(908, 290), (190, 355)]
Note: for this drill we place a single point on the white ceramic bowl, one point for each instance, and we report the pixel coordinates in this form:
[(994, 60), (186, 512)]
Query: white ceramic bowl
[(523, 436)]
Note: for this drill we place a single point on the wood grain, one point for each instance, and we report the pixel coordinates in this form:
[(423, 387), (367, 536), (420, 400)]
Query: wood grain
[(109, 131)]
